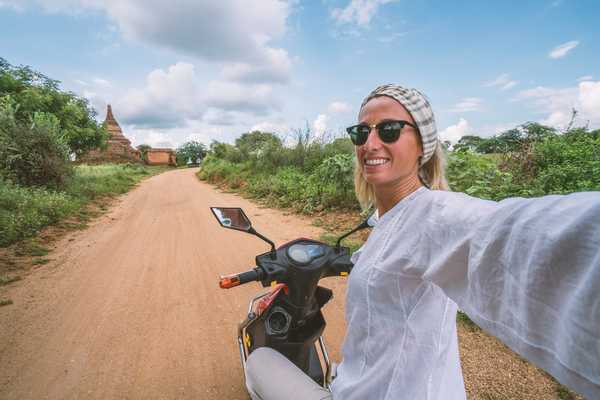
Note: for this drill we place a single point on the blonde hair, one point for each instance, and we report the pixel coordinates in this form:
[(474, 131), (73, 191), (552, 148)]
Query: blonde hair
[(432, 175)]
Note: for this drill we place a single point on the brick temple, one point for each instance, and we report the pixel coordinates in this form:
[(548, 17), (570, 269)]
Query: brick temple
[(119, 149)]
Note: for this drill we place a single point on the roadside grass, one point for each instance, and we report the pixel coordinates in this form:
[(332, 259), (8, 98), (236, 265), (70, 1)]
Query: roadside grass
[(5, 302), (564, 393), (5, 280), (464, 319), (31, 247), (26, 210)]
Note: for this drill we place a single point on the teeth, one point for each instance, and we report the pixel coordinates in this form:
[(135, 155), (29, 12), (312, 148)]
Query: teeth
[(376, 161)]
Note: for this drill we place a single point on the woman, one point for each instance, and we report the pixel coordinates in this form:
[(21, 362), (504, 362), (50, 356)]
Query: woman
[(525, 270)]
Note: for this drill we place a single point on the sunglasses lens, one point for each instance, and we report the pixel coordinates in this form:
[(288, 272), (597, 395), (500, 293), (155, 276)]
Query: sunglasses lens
[(389, 131), (358, 134)]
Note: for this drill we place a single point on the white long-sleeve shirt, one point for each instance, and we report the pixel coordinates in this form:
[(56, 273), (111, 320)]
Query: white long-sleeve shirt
[(525, 270)]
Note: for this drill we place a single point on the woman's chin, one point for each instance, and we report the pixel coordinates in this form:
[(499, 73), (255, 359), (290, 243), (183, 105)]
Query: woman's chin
[(375, 179)]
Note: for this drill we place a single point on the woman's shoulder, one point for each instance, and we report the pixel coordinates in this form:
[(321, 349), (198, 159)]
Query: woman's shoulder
[(455, 207)]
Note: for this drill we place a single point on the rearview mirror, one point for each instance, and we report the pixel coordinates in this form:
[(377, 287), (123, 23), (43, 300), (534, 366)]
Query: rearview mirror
[(235, 218), (232, 218)]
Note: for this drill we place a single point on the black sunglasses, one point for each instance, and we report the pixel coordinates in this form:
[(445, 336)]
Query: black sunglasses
[(388, 131)]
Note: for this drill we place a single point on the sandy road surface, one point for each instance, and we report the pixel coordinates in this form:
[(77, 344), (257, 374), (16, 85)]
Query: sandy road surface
[(130, 308)]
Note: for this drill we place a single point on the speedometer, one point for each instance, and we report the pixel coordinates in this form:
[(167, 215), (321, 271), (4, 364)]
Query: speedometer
[(305, 253)]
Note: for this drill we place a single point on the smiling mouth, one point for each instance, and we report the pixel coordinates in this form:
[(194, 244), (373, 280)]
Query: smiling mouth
[(376, 161)]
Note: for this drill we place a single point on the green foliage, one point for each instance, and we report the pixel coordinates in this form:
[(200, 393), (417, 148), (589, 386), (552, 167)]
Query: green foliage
[(545, 163), (478, 175), (306, 177), (34, 153), (529, 160), (92, 181), (567, 163), (25, 210), (191, 150), (143, 148), (507, 141), (34, 93)]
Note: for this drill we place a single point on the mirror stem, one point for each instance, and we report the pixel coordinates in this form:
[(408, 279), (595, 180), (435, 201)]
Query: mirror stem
[(363, 225), (253, 231)]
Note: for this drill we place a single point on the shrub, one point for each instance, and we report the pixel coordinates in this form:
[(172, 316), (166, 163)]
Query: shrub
[(34, 154), (23, 211), (567, 163), (478, 175)]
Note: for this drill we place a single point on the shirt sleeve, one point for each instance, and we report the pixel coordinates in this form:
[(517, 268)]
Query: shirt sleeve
[(528, 272)]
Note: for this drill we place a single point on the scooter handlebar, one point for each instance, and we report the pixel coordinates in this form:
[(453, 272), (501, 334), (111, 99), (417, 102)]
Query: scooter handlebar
[(229, 281)]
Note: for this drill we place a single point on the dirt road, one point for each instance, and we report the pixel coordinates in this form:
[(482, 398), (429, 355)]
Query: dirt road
[(130, 308)]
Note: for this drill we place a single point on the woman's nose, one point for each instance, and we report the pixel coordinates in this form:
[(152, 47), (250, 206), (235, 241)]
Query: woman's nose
[(373, 141)]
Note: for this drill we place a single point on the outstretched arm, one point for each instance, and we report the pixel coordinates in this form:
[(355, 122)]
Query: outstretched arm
[(528, 272)]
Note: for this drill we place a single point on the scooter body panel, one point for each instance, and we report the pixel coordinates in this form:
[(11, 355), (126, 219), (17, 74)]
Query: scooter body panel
[(275, 328)]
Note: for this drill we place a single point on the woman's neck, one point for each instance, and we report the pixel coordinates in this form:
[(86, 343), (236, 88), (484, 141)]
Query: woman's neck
[(387, 197)]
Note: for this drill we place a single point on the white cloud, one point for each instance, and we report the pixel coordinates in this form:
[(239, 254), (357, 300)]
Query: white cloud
[(585, 78), (276, 67), (256, 99), (219, 117), (562, 50), (454, 132), (158, 140), (467, 104), (391, 37), (198, 137), (557, 119), (339, 107), (229, 31), (167, 99), (358, 11), (503, 82), (320, 124), (279, 128), (558, 103), (173, 96), (589, 98), (101, 82)]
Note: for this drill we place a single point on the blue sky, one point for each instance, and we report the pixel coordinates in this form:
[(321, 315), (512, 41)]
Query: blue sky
[(204, 70)]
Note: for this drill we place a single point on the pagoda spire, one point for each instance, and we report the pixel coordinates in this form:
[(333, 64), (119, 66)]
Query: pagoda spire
[(113, 128)]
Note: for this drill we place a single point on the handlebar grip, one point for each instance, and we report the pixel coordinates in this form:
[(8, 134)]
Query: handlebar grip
[(229, 281), (248, 276)]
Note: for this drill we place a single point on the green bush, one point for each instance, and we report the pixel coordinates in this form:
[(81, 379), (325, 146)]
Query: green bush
[(567, 163), (23, 211), (33, 92), (529, 160), (33, 154), (478, 175)]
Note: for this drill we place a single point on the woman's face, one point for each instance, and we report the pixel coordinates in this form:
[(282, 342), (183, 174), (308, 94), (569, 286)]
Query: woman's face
[(388, 164)]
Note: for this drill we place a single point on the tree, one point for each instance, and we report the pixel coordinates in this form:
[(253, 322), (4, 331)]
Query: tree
[(143, 148), (469, 142), (191, 150), (31, 92), (254, 142), (34, 153)]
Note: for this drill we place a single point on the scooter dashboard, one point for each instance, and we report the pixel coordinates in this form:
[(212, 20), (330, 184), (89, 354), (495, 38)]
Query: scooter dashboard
[(305, 252)]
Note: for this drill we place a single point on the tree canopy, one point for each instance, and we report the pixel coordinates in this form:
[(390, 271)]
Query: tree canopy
[(31, 92)]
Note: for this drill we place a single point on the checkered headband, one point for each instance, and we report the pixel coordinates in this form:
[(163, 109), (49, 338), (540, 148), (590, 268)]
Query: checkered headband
[(419, 108)]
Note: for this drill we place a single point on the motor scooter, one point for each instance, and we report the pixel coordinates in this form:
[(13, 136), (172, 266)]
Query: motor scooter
[(288, 317)]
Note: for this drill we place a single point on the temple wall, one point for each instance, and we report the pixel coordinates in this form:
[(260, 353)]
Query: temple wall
[(160, 157), (115, 153)]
